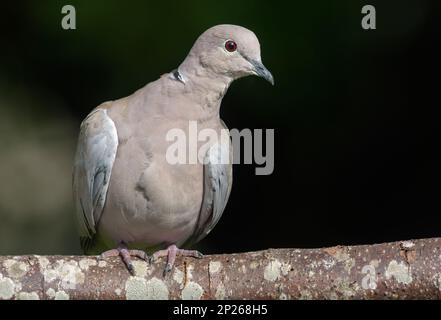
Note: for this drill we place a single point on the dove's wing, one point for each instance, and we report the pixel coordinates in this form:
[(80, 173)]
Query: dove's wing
[(95, 155), (218, 179)]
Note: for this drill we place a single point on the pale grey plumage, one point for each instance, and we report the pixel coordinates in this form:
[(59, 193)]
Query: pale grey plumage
[(125, 190), (217, 187), (98, 143)]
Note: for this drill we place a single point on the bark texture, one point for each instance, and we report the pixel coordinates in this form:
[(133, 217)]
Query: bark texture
[(399, 270)]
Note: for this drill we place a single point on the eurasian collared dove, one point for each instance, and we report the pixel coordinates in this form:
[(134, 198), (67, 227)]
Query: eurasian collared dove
[(127, 195)]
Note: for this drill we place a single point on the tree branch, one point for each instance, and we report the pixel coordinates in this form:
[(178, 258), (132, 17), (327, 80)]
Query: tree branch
[(399, 270)]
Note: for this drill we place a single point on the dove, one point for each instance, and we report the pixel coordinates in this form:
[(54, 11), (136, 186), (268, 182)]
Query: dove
[(130, 200)]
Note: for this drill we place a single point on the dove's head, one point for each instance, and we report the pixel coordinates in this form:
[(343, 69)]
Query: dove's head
[(229, 51)]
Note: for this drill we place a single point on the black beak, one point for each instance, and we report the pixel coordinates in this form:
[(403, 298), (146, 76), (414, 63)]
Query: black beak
[(262, 71)]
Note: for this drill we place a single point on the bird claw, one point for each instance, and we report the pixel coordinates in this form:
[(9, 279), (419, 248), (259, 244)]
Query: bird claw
[(125, 255), (171, 253), (198, 255), (131, 269), (168, 268)]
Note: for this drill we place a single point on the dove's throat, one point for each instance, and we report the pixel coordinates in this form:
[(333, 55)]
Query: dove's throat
[(205, 88)]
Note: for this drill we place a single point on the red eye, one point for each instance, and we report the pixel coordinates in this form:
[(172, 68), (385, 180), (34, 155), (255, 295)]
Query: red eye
[(230, 45)]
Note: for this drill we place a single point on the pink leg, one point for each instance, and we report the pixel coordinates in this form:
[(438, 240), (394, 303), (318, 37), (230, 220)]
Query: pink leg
[(125, 255), (171, 253)]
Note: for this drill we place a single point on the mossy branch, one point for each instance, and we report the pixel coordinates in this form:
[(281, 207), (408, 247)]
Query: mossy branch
[(398, 270)]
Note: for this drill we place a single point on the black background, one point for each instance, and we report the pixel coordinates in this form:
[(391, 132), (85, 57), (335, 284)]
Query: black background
[(355, 112)]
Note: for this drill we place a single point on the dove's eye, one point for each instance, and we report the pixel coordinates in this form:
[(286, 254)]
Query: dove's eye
[(231, 46)]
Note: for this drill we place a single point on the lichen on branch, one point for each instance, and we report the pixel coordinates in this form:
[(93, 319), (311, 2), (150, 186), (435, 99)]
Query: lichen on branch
[(398, 270)]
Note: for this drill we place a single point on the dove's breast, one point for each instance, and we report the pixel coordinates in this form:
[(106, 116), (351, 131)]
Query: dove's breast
[(150, 201)]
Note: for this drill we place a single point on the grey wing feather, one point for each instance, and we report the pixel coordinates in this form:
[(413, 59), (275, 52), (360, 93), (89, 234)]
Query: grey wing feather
[(218, 180), (94, 158)]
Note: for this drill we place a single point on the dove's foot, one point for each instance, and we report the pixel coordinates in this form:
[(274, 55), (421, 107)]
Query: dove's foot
[(125, 255), (171, 253)]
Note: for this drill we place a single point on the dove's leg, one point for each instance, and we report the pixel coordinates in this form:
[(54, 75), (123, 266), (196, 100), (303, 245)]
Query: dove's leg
[(125, 255), (171, 253)]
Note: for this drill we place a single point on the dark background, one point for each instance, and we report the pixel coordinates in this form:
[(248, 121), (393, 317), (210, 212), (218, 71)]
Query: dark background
[(354, 112)]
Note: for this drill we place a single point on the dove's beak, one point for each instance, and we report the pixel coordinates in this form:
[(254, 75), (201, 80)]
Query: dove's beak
[(262, 71)]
